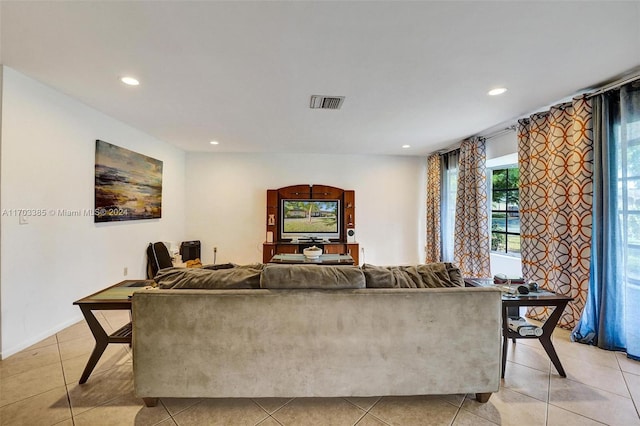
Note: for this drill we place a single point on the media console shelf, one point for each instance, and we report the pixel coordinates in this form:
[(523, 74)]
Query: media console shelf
[(343, 243)]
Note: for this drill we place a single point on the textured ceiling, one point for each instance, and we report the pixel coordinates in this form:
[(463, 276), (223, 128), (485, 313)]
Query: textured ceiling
[(242, 73)]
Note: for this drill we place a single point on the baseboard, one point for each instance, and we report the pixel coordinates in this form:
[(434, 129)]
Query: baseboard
[(4, 354)]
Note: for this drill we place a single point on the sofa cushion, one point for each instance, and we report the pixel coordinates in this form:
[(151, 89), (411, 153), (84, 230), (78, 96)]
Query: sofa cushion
[(244, 276), (454, 274), (311, 276), (431, 275)]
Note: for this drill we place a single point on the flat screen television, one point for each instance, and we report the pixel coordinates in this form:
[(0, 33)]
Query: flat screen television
[(310, 219)]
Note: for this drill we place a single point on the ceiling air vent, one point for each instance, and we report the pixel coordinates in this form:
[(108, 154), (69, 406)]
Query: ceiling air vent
[(326, 102)]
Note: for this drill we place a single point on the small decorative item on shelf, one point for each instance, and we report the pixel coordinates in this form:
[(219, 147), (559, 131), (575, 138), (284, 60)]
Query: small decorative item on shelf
[(312, 252)]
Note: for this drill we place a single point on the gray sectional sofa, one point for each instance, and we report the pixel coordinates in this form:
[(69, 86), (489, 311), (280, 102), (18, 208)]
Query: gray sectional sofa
[(315, 331)]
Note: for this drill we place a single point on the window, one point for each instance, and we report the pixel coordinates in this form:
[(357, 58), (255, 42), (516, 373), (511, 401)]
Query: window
[(628, 197), (505, 216)]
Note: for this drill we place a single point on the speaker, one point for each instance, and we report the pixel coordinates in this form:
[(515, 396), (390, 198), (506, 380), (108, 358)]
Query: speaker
[(351, 235), (190, 250)]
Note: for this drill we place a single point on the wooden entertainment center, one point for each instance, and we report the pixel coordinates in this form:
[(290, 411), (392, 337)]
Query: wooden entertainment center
[(343, 244)]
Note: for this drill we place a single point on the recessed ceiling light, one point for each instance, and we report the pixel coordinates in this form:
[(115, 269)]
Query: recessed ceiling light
[(214, 143), (497, 91), (406, 146), (130, 81)]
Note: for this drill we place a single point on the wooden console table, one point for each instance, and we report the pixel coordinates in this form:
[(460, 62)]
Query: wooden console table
[(273, 249), (116, 297), (300, 259)]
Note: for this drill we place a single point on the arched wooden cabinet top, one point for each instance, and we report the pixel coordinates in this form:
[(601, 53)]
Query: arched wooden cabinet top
[(342, 245)]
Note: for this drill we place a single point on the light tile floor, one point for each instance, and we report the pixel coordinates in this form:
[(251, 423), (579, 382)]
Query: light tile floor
[(39, 386)]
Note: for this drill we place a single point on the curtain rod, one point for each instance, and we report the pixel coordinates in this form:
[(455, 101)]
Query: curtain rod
[(500, 132), (615, 84), (630, 78), (491, 135)]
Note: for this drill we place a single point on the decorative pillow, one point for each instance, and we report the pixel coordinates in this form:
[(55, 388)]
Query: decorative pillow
[(392, 276), (454, 274), (246, 276), (378, 276), (435, 275), (311, 276), (431, 275)]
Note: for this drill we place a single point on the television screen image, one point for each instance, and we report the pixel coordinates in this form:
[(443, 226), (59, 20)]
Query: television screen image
[(310, 218)]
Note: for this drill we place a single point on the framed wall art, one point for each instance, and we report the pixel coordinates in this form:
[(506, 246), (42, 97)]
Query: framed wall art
[(128, 185)]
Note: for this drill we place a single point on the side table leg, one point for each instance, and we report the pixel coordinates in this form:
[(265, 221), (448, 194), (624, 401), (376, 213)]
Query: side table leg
[(102, 340), (545, 341), (505, 344), (547, 330), (505, 339), (98, 350)]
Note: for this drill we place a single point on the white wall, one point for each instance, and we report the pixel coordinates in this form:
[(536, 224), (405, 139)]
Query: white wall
[(502, 151), (47, 154), (1, 85), (226, 201)]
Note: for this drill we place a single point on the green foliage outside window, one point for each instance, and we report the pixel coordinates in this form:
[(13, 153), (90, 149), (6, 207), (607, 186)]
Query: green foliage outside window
[(505, 214)]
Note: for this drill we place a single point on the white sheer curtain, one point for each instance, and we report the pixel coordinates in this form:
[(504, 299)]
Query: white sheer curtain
[(449, 181), (611, 316)]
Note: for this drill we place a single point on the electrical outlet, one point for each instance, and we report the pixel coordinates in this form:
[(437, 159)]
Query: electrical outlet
[(126, 271)]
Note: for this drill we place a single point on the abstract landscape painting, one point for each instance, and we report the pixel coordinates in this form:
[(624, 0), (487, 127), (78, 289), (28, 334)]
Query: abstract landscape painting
[(128, 185)]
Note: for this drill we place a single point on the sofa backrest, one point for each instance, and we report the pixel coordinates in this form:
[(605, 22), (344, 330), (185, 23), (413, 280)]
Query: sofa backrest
[(284, 343), (276, 276)]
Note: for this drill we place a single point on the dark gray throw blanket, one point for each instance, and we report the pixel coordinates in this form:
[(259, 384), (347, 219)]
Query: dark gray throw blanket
[(236, 276), (431, 275)]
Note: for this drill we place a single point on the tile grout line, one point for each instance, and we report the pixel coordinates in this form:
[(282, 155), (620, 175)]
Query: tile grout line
[(480, 414), (636, 405), (263, 409), (579, 413), (369, 413), (365, 413), (546, 406), (275, 420), (455, 416), (166, 409), (64, 379)]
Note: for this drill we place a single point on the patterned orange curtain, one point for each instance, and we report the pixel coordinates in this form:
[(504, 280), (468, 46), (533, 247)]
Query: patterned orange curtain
[(433, 253), (555, 155), (471, 238)]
